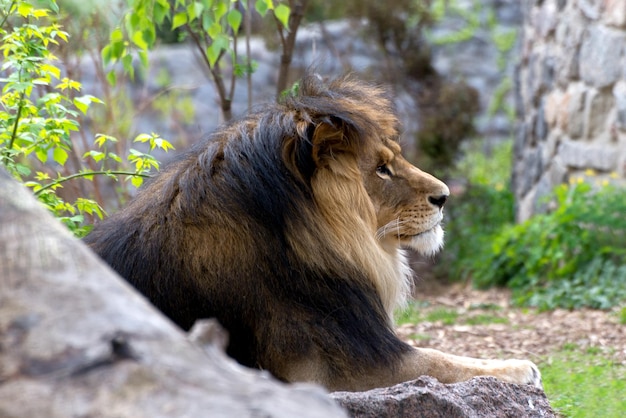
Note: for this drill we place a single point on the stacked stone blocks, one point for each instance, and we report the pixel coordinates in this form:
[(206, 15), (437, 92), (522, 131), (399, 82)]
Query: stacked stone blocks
[(571, 97)]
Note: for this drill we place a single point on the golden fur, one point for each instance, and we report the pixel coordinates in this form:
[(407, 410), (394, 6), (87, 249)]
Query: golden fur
[(288, 226)]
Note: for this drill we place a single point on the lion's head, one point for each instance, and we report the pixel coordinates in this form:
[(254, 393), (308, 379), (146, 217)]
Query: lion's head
[(372, 200)]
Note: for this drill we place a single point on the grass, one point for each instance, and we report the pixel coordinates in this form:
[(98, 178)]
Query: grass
[(446, 316), (414, 314), (622, 316), (485, 319), (582, 384)]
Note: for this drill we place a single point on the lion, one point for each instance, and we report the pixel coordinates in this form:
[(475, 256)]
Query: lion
[(290, 226)]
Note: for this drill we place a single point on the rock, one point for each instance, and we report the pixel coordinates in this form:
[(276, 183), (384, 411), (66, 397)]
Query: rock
[(78, 341), (619, 92), (427, 398), (582, 156), (615, 13), (599, 56), (598, 108)]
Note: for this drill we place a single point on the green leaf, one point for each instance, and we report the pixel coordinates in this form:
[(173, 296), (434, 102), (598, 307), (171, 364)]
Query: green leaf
[(282, 14), (213, 53), (161, 10), (127, 63), (24, 8), (96, 155), (195, 10), (82, 104), (143, 58), (53, 6), (22, 169), (117, 35), (137, 181), (117, 50), (179, 20), (138, 39), (60, 155), (261, 7), (114, 157), (221, 9), (41, 154), (101, 139), (142, 138), (106, 54), (234, 19)]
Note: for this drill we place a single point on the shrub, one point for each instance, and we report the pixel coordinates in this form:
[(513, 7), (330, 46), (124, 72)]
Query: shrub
[(480, 211), (571, 257), (40, 109)]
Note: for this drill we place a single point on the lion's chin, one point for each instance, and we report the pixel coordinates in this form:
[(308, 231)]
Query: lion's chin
[(427, 243)]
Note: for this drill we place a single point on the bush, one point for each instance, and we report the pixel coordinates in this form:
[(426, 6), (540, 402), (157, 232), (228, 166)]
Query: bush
[(571, 257), (473, 219), (41, 111), (480, 211)]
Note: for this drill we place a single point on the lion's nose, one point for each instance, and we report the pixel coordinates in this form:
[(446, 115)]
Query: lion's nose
[(438, 201)]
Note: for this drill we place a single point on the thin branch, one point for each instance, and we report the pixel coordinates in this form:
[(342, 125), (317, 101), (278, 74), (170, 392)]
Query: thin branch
[(91, 173), (233, 72), (20, 107), (215, 72), (248, 24), (6, 17)]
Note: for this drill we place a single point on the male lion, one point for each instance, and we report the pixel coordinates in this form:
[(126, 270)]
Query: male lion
[(287, 226)]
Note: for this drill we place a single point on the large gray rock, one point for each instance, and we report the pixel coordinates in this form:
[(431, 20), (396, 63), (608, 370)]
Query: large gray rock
[(77, 341), (427, 398)]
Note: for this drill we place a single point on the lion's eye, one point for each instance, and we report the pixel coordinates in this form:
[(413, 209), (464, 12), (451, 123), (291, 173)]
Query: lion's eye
[(383, 171)]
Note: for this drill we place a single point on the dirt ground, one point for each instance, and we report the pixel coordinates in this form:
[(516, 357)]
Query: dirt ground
[(508, 332)]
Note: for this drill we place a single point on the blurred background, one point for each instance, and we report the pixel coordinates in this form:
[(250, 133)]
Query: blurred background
[(520, 106)]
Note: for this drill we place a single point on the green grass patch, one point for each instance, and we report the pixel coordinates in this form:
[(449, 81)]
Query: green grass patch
[(412, 314), (446, 316), (419, 337), (622, 316), (485, 319), (584, 384)]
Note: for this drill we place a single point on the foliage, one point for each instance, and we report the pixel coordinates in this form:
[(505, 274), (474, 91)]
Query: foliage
[(480, 211), (447, 121), (40, 109), (212, 25), (584, 384), (571, 257), (447, 114)]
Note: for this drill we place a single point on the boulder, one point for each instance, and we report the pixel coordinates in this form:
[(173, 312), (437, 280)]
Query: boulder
[(77, 341), (428, 398)]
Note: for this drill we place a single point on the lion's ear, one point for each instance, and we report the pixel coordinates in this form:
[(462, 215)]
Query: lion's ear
[(329, 138), (317, 143)]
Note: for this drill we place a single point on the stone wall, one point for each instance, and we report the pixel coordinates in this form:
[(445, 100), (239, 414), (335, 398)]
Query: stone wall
[(571, 97)]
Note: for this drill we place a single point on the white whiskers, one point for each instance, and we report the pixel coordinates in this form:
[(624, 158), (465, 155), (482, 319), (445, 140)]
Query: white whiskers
[(390, 227)]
